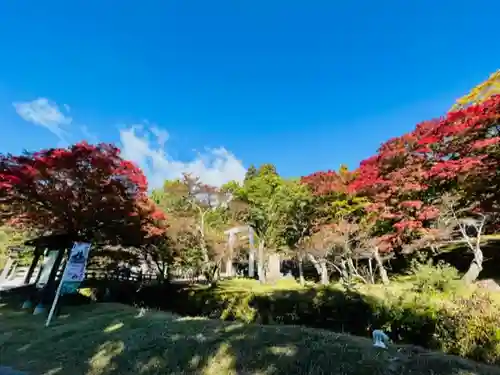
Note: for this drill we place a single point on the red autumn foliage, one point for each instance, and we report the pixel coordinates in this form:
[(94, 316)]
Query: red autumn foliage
[(460, 151), (466, 152), (324, 183), (393, 182), (85, 191)]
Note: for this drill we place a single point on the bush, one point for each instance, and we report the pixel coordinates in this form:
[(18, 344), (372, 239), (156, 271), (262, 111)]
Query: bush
[(465, 327), (471, 328), (468, 327), (427, 278)]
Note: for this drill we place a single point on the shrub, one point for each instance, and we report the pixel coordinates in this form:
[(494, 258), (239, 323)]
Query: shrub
[(471, 328), (468, 327), (465, 327), (428, 278)]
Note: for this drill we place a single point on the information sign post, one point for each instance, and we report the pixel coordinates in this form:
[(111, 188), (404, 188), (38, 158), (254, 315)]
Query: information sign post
[(73, 274)]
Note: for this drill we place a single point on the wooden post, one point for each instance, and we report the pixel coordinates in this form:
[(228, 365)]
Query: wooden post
[(33, 265), (49, 288)]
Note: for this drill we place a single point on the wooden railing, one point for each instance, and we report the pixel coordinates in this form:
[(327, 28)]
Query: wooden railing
[(137, 276)]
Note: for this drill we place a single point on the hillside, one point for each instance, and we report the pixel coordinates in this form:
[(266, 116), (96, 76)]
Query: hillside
[(112, 339)]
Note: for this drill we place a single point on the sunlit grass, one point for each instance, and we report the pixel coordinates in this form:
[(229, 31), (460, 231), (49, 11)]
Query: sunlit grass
[(241, 284), (110, 339)]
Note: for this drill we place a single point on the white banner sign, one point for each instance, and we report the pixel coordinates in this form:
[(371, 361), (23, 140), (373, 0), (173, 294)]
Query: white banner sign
[(74, 273), (75, 268)]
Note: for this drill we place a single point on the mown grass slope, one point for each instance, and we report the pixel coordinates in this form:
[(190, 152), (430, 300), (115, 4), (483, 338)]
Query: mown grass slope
[(105, 339)]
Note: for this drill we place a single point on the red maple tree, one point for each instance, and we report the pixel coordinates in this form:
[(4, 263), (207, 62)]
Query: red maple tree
[(329, 182), (84, 191), (394, 181), (459, 153), (463, 153)]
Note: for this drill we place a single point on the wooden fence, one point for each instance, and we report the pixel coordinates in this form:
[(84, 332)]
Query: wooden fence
[(129, 275)]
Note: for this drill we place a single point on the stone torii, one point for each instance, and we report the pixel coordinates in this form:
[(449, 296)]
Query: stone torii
[(231, 233)]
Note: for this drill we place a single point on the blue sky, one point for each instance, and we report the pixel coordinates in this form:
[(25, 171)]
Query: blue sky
[(305, 85)]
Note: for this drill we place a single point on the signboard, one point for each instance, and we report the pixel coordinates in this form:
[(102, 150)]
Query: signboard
[(75, 267), (73, 275)]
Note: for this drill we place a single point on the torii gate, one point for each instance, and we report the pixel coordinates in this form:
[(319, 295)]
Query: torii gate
[(231, 233)]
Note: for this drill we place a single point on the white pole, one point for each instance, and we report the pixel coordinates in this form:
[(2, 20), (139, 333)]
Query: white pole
[(56, 297)]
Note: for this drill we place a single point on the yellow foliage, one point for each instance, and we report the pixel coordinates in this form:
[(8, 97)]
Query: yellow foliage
[(481, 92)]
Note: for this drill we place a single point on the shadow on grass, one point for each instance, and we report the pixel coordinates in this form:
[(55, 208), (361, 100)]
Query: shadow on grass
[(113, 339), (328, 308)]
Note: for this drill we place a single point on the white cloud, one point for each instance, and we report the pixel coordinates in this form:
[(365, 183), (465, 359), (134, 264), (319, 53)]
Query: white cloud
[(161, 135), (214, 167), (143, 144), (45, 113)]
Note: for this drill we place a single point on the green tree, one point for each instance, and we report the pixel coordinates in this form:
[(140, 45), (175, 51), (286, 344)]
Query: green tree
[(267, 169), (263, 200), (199, 216), (299, 218), (251, 172)]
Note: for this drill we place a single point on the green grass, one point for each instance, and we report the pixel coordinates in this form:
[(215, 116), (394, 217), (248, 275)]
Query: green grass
[(112, 339), (246, 285), (402, 286)]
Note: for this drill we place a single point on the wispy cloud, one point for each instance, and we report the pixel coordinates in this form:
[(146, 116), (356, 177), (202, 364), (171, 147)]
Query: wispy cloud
[(46, 113), (145, 144), (146, 147)]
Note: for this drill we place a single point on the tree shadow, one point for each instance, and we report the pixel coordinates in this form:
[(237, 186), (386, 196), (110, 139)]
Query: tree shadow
[(157, 343), (114, 339)]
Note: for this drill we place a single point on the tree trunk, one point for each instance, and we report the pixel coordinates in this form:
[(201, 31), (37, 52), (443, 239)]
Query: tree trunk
[(229, 259), (321, 268), (215, 276), (475, 267), (301, 268), (261, 262), (229, 267), (315, 263), (381, 268), (161, 269), (370, 268), (202, 237), (353, 272), (325, 278), (212, 274)]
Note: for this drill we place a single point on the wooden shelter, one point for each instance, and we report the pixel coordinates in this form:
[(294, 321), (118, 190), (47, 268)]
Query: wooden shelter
[(43, 245)]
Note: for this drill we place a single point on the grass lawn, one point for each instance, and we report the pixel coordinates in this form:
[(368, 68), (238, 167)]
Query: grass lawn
[(105, 339)]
